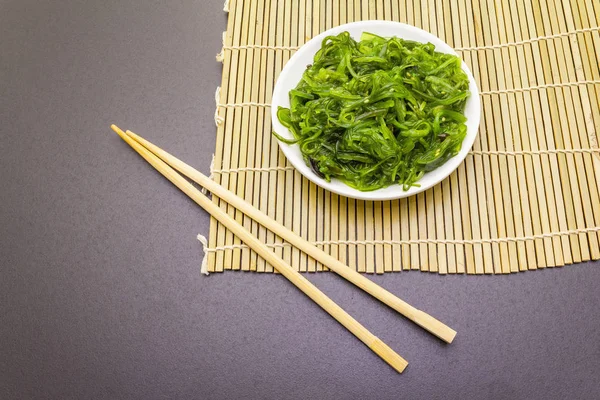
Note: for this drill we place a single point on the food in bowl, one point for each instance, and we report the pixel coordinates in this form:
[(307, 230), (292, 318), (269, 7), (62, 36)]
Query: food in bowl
[(377, 112)]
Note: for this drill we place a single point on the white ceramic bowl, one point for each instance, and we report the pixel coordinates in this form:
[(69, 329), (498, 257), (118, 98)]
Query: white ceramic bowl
[(292, 73)]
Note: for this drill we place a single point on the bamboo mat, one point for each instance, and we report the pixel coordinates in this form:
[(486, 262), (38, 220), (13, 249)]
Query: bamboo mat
[(526, 197)]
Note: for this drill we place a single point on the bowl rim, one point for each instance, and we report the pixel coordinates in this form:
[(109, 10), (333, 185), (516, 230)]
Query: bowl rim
[(306, 54)]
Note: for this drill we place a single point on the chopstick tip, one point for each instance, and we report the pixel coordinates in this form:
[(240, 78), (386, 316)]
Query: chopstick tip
[(118, 131), (134, 136)]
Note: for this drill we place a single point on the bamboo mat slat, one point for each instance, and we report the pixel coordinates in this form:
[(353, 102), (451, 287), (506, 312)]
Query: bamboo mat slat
[(526, 197)]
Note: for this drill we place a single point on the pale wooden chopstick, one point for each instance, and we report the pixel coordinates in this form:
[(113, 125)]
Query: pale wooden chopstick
[(372, 341), (422, 319)]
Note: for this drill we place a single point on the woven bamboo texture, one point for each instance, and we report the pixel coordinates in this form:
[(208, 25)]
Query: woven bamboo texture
[(526, 197)]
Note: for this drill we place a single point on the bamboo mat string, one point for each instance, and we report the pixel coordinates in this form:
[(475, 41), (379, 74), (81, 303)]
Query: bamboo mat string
[(471, 48), (425, 241), (486, 92)]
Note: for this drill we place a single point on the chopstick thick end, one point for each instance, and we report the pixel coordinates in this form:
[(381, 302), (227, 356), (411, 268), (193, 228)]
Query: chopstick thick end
[(388, 355), (434, 326)]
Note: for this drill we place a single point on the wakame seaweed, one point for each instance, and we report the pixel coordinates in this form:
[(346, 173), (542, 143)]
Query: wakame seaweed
[(377, 112)]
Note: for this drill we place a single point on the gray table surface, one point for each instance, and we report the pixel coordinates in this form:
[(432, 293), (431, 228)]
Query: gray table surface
[(100, 291)]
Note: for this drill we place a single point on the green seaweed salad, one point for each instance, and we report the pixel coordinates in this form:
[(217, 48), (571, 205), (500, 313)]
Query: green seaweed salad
[(377, 112)]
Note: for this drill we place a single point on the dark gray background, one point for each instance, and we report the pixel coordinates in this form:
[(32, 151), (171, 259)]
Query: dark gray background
[(100, 291)]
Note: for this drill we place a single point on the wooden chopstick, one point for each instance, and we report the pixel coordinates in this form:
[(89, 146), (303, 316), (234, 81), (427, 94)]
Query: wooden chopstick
[(373, 342), (422, 319)]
